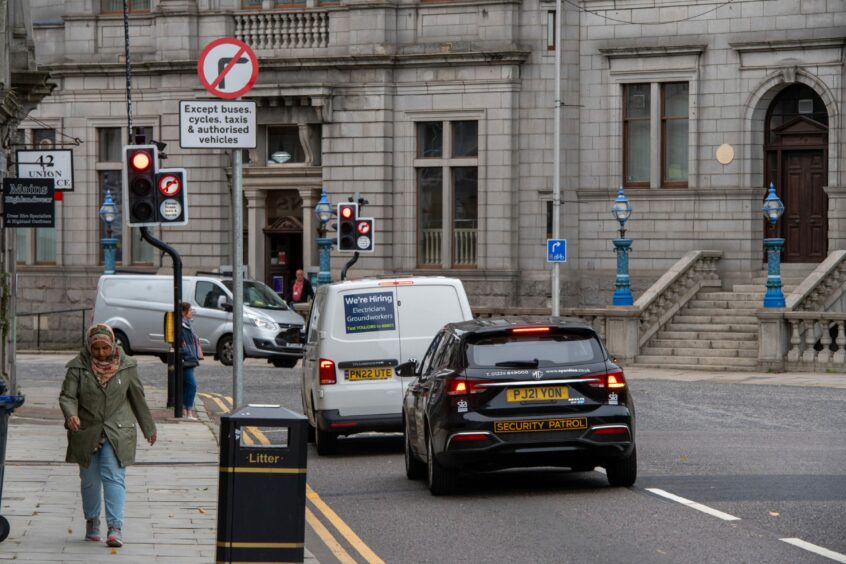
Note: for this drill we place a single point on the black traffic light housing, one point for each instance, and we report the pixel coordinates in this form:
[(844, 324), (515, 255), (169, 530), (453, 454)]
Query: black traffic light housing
[(347, 217), (140, 164)]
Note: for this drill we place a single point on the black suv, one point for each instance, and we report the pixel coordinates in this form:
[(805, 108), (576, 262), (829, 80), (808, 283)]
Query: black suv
[(498, 393)]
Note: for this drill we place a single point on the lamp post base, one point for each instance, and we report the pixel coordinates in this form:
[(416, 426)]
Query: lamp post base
[(109, 254), (622, 292), (774, 298), (324, 245)]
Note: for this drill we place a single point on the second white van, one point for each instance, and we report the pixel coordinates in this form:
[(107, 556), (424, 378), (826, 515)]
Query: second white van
[(357, 333)]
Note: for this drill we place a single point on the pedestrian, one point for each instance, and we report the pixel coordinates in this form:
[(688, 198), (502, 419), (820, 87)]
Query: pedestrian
[(100, 397), (192, 354), (301, 290)]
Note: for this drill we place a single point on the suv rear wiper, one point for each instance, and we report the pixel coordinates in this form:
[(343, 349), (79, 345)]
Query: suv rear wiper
[(520, 363)]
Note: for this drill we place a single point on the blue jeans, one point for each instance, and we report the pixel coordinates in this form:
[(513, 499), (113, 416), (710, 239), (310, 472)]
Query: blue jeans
[(189, 387), (106, 473)]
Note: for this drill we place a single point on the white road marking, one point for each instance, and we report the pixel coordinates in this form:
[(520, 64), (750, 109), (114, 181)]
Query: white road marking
[(694, 505), (836, 556)]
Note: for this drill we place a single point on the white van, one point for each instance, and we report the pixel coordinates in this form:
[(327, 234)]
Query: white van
[(134, 306), (357, 333)]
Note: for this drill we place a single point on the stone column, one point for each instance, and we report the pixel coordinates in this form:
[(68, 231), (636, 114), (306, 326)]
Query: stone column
[(309, 197), (256, 222)]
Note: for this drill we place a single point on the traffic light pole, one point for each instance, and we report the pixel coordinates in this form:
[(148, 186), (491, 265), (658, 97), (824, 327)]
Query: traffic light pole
[(350, 262), (177, 317)]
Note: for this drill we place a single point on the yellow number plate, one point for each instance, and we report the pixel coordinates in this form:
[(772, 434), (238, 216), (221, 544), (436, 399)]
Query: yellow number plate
[(537, 393), (369, 373), (535, 425)]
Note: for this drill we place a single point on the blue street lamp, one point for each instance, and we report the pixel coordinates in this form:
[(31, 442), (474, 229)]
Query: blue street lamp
[(108, 213), (323, 209), (773, 209), (621, 210)]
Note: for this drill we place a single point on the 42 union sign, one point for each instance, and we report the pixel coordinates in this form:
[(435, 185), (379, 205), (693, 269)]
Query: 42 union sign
[(28, 202)]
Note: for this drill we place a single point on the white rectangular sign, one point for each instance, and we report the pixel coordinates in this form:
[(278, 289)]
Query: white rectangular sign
[(54, 163), (217, 124)]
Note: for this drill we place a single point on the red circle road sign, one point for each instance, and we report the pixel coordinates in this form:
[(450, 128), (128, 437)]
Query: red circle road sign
[(227, 68), (169, 185)]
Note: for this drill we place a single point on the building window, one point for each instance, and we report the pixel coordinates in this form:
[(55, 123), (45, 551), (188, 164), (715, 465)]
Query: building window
[(284, 146), (550, 30), (35, 245), (251, 4), (116, 6), (447, 193), (663, 108), (110, 142), (674, 128), (636, 121)]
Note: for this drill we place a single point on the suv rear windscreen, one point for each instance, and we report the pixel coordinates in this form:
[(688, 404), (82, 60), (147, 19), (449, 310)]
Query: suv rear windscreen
[(534, 350)]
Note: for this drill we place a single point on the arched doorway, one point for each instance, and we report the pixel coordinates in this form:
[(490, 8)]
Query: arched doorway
[(796, 157)]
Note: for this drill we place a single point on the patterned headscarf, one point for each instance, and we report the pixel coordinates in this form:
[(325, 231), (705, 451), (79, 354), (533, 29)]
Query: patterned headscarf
[(103, 369)]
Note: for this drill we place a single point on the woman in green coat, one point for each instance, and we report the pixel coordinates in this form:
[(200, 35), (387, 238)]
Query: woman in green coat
[(101, 399)]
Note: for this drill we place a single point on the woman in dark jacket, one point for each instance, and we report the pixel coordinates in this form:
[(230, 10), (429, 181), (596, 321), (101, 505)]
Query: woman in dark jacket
[(192, 352), (101, 399)]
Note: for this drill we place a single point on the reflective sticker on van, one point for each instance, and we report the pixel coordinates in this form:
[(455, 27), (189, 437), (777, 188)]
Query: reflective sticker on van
[(374, 311)]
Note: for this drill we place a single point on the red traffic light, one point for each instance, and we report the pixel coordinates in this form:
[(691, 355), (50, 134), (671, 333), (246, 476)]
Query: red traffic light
[(140, 160), (346, 212), (363, 227)]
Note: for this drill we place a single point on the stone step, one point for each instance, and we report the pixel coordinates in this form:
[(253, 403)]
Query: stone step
[(700, 353), (786, 287), (749, 308), (707, 335), (697, 361), (670, 363), (718, 327), (716, 319), (704, 344), (732, 296)]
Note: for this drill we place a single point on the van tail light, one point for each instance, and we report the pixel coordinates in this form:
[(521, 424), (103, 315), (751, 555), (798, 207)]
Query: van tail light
[(327, 372), (611, 379), (464, 386)]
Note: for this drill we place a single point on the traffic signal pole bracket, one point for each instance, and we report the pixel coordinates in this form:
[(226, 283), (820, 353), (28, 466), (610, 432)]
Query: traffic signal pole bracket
[(177, 317)]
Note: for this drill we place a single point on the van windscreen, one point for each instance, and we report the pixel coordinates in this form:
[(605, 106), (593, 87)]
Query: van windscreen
[(259, 295)]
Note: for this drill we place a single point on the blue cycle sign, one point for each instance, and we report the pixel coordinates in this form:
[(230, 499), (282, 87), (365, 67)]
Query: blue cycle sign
[(556, 250)]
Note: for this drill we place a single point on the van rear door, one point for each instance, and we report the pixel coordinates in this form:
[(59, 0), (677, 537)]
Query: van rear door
[(423, 310), (364, 345)]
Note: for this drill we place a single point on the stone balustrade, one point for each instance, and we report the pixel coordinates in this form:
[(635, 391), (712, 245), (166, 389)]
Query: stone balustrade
[(283, 30)]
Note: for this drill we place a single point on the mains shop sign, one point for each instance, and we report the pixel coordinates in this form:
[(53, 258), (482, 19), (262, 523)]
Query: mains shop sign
[(29, 202), (374, 311)]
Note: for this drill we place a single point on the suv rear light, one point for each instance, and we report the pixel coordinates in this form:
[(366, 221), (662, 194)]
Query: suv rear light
[(531, 330), (327, 372), (612, 379), (464, 386)]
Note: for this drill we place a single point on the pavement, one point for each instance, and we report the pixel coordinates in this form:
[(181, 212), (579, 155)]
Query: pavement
[(171, 505), (171, 501)]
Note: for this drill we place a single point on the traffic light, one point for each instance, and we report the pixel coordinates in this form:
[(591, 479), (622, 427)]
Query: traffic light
[(364, 235), (171, 197), (347, 217), (140, 164)]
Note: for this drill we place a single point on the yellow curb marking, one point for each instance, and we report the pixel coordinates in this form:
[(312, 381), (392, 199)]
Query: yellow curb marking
[(342, 527), (334, 546)]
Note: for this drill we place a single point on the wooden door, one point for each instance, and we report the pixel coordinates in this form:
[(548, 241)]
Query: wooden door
[(805, 220)]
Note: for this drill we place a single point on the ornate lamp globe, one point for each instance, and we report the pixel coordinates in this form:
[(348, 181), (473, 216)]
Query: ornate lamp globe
[(108, 211), (323, 209), (622, 209), (773, 208)]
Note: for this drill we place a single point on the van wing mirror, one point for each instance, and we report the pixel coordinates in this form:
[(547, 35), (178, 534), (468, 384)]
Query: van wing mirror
[(407, 369), (224, 303)]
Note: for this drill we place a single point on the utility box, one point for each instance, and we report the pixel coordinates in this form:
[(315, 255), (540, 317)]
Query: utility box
[(262, 485)]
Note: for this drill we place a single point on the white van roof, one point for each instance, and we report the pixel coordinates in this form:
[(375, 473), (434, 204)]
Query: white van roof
[(389, 281)]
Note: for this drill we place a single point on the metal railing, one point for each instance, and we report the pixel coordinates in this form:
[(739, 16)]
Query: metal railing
[(38, 324)]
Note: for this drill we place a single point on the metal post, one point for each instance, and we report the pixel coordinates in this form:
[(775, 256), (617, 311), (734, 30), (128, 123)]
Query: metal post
[(237, 281), (623, 292), (177, 315), (774, 296), (109, 254), (324, 244), (128, 70), (556, 162)]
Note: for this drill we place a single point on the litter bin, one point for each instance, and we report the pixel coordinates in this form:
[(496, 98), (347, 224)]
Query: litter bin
[(7, 405), (261, 488)]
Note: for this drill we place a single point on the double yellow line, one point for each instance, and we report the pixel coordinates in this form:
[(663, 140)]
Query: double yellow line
[(253, 435)]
